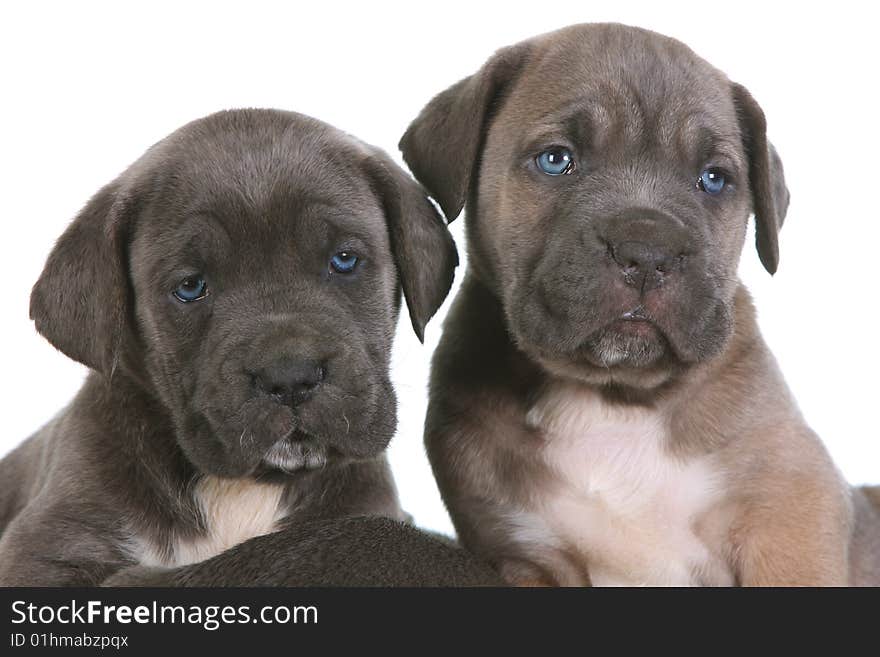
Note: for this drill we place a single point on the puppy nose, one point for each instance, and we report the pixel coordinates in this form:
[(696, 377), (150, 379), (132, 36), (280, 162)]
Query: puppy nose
[(291, 380), (645, 265)]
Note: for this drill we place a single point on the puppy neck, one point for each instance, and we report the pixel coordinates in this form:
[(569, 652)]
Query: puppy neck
[(227, 512)]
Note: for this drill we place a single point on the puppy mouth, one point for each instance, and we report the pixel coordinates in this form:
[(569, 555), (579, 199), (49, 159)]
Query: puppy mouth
[(633, 339), (275, 440), (297, 452), (635, 342), (635, 323)]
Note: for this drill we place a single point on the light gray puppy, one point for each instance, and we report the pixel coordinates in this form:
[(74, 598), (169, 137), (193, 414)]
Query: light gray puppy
[(602, 406)]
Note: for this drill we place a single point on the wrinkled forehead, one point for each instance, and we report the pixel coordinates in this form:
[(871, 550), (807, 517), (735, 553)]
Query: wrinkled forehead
[(623, 85), (267, 180)]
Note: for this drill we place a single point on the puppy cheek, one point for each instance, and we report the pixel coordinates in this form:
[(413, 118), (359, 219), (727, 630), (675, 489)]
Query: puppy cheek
[(702, 331), (711, 341), (532, 325), (358, 423), (551, 319), (533, 330), (168, 374), (720, 327), (376, 434), (233, 430), (207, 452), (258, 425), (195, 428)]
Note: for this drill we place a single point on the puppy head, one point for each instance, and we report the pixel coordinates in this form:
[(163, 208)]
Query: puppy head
[(246, 271), (609, 174)]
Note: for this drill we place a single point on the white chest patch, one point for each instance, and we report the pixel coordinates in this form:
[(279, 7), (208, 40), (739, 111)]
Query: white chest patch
[(234, 510), (620, 498)]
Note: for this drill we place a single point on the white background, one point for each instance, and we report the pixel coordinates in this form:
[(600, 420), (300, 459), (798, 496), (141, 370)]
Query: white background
[(87, 87)]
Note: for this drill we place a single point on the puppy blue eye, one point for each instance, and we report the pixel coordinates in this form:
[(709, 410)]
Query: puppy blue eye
[(555, 161), (711, 181), (344, 262), (191, 288)]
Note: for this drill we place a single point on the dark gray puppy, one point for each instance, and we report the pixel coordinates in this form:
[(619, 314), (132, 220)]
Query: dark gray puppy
[(602, 406), (235, 293)]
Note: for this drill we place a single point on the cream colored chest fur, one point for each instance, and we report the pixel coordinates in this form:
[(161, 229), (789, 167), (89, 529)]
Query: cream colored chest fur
[(234, 510), (618, 497)]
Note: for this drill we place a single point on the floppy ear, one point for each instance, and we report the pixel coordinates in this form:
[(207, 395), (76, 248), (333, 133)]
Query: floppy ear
[(423, 249), (766, 178), (443, 145), (80, 301)]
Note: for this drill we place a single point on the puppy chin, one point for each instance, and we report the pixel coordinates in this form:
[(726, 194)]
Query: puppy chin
[(290, 455), (633, 355), (626, 344)]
